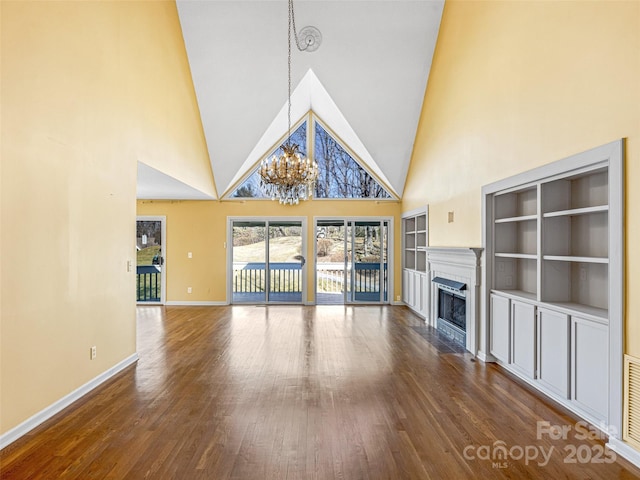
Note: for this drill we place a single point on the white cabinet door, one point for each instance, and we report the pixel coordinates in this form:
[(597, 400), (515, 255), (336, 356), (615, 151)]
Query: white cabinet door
[(421, 294), (523, 337), (416, 291), (407, 287), (553, 351), (590, 366), (500, 328)]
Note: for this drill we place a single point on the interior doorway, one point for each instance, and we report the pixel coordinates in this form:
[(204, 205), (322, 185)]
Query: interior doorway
[(150, 260), (352, 260)]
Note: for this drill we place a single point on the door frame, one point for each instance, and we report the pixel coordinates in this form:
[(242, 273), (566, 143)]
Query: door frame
[(266, 220), (163, 245), (390, 255)]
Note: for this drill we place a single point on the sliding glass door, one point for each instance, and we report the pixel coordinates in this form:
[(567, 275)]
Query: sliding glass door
[(352, 261), (267, 261)]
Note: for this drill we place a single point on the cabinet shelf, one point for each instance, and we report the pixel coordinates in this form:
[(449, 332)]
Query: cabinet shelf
[(516, 273), (516, 255), (576, 211), (600, 315), (521, 218), (572, 258), (517, 238), (576, 236), (517, 294), (576, 192), (521, 203), (576, 282)]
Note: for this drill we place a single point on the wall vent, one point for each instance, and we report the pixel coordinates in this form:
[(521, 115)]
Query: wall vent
[(632, 401)]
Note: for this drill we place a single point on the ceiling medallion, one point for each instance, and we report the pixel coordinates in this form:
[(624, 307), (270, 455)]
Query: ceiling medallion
[(309, 39)]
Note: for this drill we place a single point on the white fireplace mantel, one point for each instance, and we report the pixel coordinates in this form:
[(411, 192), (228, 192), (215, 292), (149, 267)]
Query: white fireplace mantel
[(464, 265)]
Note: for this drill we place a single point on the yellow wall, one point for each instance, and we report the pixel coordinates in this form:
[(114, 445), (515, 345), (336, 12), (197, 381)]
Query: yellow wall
[(200, 227), (88, 89), (515, 85)]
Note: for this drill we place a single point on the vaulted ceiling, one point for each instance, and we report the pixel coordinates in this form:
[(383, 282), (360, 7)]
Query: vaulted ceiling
[(366, 81)]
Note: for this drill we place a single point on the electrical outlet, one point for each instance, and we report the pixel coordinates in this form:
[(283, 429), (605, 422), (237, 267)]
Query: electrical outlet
[(450, 217), (397, 298), (188, 289), (189, 255), (93, 353)]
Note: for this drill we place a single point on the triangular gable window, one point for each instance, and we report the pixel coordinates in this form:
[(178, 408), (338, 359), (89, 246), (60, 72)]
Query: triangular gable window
[(340, 175)]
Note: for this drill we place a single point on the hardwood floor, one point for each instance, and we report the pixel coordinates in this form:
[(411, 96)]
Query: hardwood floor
[(288, 392)]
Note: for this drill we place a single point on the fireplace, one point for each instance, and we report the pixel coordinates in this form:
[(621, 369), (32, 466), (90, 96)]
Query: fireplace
[(454, 294), (452, 309)]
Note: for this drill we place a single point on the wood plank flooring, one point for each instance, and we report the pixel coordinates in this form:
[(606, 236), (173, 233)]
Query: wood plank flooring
[(292, 392)]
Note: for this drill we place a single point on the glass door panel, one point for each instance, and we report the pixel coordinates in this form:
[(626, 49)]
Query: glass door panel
[(149, 260), (385, 262), (351, 261), (267, 261), (249, 272), (285, 262), (367, 261), (330, 258)]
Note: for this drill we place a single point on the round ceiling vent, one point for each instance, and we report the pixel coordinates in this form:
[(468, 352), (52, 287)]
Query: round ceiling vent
[(310, 39)]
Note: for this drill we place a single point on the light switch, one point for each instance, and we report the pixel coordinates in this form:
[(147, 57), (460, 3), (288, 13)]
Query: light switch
[(189, 255)]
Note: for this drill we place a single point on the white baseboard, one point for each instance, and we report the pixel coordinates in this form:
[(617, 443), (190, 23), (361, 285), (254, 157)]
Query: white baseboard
[(190, 303), (624, 450), (486, 357), (44, 415)]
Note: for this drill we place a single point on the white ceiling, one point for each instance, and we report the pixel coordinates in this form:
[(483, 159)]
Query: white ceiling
[(368, 77)]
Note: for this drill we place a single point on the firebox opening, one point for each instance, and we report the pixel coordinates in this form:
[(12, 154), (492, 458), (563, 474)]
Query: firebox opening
[(452, 308)]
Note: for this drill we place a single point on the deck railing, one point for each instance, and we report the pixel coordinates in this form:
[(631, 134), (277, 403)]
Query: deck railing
[(148, 283), (250, 277), (286, 277), (368, 277)]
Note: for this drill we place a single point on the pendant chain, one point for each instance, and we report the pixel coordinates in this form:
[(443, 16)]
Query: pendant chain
[(289, 71), (292, 26)]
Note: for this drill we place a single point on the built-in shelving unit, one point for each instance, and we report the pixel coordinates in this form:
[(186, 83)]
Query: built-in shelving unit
[(414, 260), (553, 282), (415, 242)]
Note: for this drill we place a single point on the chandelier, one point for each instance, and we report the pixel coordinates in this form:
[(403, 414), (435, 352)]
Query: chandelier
[(290, 177)]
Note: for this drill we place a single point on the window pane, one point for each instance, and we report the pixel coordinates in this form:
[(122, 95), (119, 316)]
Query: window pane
[(340, 176)]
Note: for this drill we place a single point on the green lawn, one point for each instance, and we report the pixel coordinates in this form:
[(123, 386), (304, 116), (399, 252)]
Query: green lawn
[(145, 256), (280, 250)]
